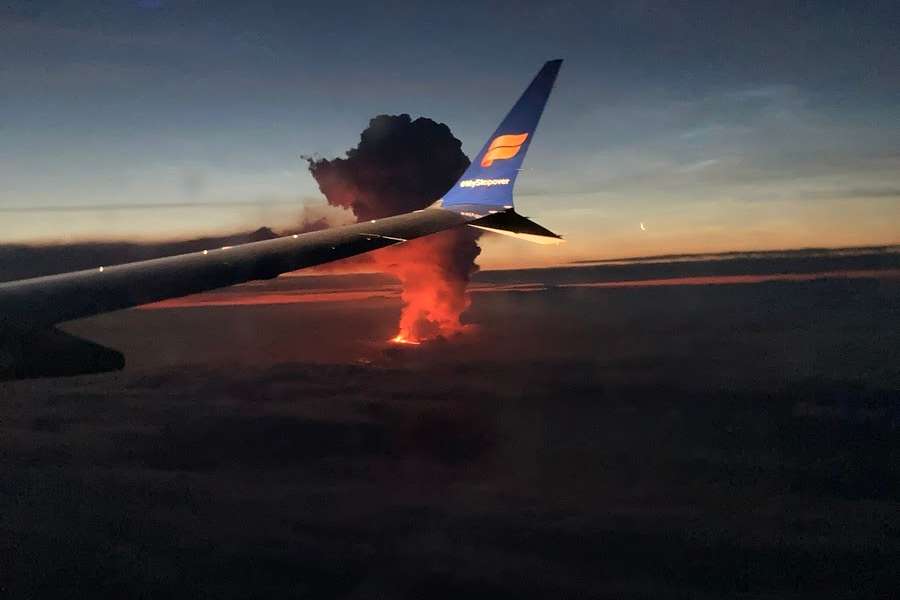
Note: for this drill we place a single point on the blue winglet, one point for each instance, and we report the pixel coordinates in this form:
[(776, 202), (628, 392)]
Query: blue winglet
[(487, 185)]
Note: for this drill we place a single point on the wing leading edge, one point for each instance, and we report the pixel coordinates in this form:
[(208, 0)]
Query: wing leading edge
[(49, 300)]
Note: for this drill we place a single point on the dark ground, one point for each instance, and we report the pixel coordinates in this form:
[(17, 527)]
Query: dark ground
[(696, 442)]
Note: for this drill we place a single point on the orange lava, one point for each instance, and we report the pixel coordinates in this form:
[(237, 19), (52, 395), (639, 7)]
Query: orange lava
[(400, 339)]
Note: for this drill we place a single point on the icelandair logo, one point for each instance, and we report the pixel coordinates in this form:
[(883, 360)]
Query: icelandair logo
[(471, 183), (503, 147)]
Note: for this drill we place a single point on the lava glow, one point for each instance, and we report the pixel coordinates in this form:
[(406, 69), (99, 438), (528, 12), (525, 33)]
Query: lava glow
[(400, 339), (434, 272), (401, 165)]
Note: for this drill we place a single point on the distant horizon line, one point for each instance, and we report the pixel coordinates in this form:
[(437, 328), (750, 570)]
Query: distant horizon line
[(805, 251)]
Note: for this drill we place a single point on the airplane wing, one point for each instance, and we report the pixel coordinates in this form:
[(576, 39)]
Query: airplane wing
[(31, 345)]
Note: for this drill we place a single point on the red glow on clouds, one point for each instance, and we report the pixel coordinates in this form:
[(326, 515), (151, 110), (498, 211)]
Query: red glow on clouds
[(401, 165), (434, 272), (249, 296)]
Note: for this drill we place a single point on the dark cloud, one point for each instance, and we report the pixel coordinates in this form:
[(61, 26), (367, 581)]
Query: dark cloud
[(547, 455), (401, 165)]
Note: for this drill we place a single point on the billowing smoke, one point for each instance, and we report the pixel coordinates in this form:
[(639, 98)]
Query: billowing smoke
[(434, 272), (402, 165)]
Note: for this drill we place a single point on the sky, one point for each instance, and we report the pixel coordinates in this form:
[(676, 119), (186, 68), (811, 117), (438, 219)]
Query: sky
[(718, 126)]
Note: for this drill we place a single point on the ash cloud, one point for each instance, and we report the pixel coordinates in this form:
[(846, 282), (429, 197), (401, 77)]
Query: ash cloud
[(401, 165)]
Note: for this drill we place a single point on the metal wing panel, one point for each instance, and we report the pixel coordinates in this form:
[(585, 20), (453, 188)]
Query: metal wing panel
[(53, 299)]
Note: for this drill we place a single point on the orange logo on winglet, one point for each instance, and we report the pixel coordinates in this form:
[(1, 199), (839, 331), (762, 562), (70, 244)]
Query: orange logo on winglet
[(503, 147)]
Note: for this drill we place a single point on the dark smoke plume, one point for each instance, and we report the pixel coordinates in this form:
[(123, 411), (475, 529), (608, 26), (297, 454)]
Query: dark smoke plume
[(402, 165), (399, 165)]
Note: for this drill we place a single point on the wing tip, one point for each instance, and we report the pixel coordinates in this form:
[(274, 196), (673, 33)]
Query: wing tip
[(512, 224)]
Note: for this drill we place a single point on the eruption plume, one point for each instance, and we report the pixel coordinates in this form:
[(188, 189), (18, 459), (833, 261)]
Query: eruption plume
[(401, 165)]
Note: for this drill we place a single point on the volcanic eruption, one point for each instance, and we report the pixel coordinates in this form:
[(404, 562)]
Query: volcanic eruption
[(401, 165)]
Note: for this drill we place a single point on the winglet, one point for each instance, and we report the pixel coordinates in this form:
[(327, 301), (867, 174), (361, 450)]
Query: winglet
[(511, 223), (487, 185)]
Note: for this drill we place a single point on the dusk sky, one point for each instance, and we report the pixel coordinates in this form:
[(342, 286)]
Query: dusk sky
[(719, 126)]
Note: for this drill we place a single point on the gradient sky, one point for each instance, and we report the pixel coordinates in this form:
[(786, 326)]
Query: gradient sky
[(719, 125)]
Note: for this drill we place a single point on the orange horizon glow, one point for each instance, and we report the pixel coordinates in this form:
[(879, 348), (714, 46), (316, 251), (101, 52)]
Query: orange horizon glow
[(249, 297)]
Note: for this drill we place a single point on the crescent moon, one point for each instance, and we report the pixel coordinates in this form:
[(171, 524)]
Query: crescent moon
[(643, 228)]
